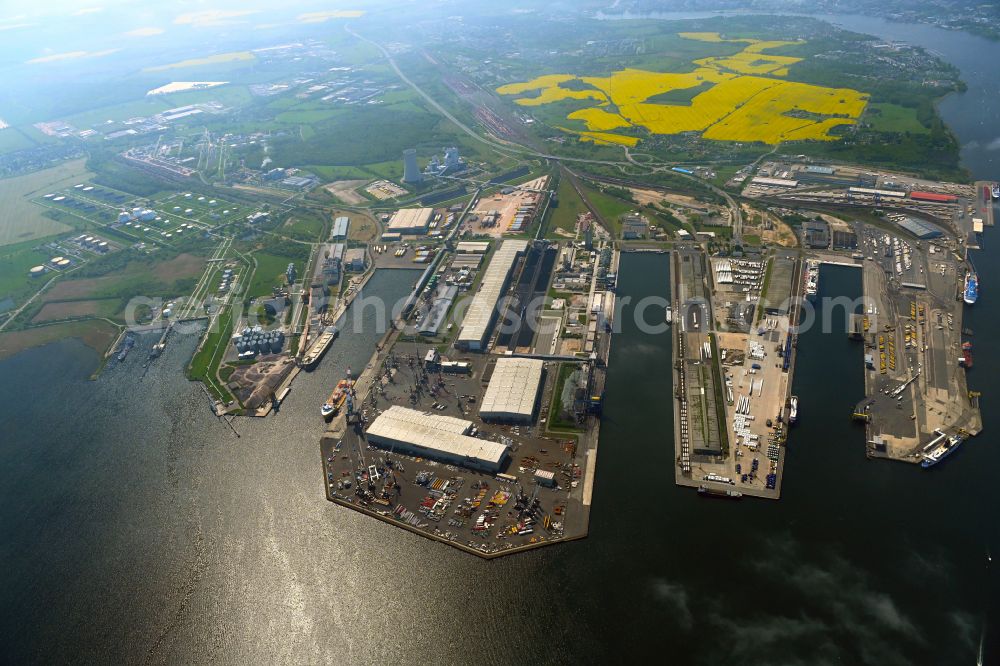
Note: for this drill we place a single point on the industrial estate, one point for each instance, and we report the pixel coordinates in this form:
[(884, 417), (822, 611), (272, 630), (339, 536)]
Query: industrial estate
[(476, 420)]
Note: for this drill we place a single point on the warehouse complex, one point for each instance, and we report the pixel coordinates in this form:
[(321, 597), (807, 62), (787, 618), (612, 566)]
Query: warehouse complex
[(410, 221), (481, 315), (513, 390), (442, 438)]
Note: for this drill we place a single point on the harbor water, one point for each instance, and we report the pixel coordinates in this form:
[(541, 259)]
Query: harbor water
[(138, 527)]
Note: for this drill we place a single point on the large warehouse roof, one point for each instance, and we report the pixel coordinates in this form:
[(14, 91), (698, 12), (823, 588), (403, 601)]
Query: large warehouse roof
[(410, 220), (513, 389), (479, 316), (441, 437), (340, 226)]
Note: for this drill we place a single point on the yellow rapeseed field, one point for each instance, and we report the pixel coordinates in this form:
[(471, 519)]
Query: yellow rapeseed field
[(746, 99)]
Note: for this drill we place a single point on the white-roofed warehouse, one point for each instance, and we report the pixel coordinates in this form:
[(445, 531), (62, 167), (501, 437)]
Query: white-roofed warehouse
[(482, 311), (513, 390), (441, 438), (410, 221)]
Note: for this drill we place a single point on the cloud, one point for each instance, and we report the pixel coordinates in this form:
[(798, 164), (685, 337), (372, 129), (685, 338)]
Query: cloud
[(145, 32), (87, 10), (676, 598), (213, 17), (994, 144), (15, 26), (70, 55), (320, 17)]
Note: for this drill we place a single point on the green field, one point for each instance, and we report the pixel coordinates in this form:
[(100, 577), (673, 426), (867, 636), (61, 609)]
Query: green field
[(609, 207), (15, 261), (894, 118), (271, 270), (564, 215), (20, 219)]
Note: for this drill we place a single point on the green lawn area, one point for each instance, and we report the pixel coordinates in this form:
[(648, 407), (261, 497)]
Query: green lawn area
[(15, 261), (205, 363), (610, 208), (751, 239), (271, 271), (564, 215), (12, 139), (894, 118), (20, 219)]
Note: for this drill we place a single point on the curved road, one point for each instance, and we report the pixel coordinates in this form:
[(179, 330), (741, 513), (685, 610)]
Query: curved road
[(651, 167)]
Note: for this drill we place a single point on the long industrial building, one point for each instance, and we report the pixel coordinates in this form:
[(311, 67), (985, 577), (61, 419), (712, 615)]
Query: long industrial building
[(410, 221), (340, 227), (442, 438), (513, 390), (482, 312)]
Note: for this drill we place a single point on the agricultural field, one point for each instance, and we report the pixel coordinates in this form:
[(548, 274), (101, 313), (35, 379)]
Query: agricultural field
[(741, 98), (219, 58), (21, 221)]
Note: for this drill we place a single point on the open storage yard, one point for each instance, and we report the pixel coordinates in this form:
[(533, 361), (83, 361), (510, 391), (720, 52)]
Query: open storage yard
[(534, 498)]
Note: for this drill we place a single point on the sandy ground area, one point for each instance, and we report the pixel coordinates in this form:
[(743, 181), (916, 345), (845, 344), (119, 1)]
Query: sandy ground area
[(345, 191)]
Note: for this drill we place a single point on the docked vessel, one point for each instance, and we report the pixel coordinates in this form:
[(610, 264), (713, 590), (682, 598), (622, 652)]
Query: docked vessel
[(724, 494), (941, 451), (812, 278), (967, 354), (670, 315), (995, 191), (971, 288), (338, 397), (793, 409)]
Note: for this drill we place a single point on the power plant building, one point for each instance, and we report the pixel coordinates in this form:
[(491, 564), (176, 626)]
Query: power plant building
[(442, 438), (411, 172), (513, 390), (482, 311), (410, 221)]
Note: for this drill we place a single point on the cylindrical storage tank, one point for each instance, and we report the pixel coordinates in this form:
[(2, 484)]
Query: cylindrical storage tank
[(37, 271), (64, 263)]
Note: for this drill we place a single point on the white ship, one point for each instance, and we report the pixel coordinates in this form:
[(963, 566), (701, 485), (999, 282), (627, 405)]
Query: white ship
[(793, 409)]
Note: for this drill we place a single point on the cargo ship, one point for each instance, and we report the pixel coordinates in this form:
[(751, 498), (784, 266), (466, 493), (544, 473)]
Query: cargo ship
[(971, 288), (941, 451), (338, 397), (967, 354), (793, 409)]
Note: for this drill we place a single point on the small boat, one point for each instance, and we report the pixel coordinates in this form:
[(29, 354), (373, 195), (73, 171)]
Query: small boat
[(793, 409), (971, 289), (670, 315)]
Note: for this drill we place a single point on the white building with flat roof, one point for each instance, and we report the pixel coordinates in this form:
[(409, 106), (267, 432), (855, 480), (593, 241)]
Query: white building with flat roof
[(482, 312), (442, 438), (473, 247), (513, 390), (410, 221)]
